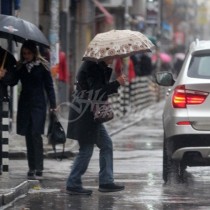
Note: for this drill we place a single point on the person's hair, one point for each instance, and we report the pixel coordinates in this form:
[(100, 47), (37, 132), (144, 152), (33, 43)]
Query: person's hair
[(30, 45)]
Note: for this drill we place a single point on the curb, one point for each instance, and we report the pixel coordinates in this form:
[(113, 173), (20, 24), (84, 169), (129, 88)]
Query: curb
[(16, 192), (49, 153), (13, 155)]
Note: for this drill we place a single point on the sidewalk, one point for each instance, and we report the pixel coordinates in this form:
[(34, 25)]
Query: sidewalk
[(12, 187)]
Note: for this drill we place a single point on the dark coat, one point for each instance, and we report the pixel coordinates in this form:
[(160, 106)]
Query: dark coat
[(32, 101), (92, 82), (9, 78)]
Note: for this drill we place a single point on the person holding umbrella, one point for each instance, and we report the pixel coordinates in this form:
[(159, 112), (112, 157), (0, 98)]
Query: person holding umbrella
[(7, 78), (34, 73), (93, 81), (93, 86)]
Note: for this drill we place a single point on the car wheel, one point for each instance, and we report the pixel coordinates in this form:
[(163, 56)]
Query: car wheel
[(165, 162), (172, 169), (178, 170)]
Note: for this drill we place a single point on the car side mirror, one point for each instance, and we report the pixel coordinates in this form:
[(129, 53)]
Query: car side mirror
[(164, 78)]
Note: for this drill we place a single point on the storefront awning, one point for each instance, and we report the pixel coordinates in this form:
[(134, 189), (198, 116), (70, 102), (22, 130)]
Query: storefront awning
[(109, 18)]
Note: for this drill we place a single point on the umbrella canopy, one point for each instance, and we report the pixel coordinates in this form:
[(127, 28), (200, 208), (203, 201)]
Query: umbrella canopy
[(117, 43), (164, 57), (19, 30)]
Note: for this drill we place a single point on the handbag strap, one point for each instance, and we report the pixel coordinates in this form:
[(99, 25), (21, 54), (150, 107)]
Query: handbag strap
[(56, 155), (55, 115)]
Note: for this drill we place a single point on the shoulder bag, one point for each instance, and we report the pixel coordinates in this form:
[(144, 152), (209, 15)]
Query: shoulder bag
[(56, 134), (102, 112)]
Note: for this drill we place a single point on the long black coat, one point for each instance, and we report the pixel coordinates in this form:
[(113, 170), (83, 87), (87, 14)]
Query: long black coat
[(33, 101), (92, 82), (9, 78)]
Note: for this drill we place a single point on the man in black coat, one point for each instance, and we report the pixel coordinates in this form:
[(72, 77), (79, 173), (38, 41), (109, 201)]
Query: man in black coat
[(7, 77)]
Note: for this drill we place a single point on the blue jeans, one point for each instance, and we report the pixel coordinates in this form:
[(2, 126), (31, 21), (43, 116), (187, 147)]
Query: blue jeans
[(104, 143)]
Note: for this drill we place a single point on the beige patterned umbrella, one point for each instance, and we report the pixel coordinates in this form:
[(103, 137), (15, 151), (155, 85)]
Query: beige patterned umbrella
[(117, 43)]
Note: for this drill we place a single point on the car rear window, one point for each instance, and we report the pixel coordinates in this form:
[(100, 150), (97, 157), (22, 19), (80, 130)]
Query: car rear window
[(199, 66)]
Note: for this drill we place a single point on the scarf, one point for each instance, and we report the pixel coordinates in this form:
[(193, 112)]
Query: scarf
[(30, 65)]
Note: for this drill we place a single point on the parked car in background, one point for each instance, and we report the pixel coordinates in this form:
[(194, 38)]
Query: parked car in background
[(186, 114)]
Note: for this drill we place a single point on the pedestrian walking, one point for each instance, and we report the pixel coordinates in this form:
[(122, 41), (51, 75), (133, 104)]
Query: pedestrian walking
[(34, 73), (7, 78), (142, 64), (92, 84)]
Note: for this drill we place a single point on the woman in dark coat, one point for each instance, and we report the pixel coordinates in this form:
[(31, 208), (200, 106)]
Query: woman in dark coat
[(34, 74), (92, 85)]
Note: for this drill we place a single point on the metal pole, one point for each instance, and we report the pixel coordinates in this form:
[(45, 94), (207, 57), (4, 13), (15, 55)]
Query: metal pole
[(5, 135), (160, 15), (65, 40), (54, 32), (54, 40), (85, 27), (126, 15), (72, 47)]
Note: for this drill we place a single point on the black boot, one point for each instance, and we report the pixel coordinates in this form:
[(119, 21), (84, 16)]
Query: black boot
[(110, 187)]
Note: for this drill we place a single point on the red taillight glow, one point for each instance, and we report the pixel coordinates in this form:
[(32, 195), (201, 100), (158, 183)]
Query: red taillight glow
[(183, 97), (183, 123)]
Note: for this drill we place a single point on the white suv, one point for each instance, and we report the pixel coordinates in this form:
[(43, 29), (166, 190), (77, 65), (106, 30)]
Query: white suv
[(186, 115)]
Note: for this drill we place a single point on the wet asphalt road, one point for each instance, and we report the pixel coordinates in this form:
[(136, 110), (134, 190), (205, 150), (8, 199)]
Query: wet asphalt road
[(137, 164)]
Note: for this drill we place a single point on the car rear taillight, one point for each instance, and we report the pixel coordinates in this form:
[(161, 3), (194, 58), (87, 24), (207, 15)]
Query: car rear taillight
[(183, 123), (183, 97)]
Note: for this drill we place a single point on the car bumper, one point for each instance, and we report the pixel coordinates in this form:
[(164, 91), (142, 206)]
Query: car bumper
[(203, 151), (194, 150)]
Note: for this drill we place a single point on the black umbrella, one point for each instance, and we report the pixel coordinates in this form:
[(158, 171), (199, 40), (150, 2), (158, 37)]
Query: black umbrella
[(19, 30)]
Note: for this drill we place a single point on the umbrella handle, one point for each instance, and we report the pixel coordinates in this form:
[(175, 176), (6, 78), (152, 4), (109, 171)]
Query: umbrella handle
[(4, 59)]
